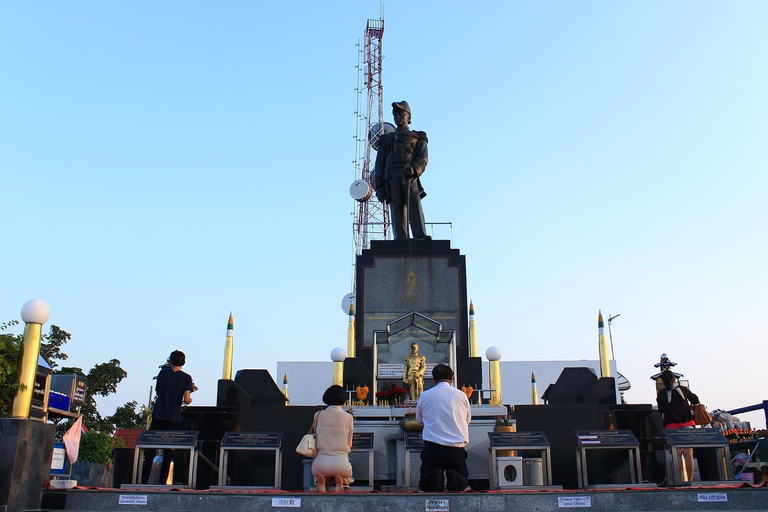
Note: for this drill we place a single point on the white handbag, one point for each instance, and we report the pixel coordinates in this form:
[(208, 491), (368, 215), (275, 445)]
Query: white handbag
[(308, 444)]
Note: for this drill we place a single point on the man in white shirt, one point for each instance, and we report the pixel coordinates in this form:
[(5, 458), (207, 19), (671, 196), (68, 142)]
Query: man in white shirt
[(444, 412)]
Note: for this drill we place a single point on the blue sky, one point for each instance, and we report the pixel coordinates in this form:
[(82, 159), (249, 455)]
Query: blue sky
[(165, 163)]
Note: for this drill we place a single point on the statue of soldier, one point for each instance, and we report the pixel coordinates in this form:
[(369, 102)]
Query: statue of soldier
[(413, 371), (401, 159)]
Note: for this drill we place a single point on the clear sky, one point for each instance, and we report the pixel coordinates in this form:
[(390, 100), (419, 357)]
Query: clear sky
[(165, 163)]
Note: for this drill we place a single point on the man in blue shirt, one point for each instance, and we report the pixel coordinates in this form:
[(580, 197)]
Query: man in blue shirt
[(444, 412), (173, 387)]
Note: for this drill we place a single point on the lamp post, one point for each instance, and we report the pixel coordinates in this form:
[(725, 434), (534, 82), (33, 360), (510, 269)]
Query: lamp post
[(34, 313), (493, 354), (337, 356)]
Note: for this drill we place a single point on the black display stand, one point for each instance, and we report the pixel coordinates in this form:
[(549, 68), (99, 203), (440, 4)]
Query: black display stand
[(520, 441), (622, 440), (249, 442), (165, 440), (709, 439), (362, 442), (413, 444)]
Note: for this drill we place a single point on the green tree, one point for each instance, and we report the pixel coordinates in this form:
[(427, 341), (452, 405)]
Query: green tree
[(51, 343), (126, 416), (97, 447), (102, 381), (9, 360)]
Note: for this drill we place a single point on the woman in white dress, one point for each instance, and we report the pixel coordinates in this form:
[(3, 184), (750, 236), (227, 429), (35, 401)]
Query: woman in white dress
[(334, 428)]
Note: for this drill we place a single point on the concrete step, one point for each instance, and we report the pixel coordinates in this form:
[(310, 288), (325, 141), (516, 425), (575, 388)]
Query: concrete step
[(721, 498)]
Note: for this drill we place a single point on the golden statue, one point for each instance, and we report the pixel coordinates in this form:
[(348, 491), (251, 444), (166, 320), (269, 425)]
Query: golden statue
[(413, 371)]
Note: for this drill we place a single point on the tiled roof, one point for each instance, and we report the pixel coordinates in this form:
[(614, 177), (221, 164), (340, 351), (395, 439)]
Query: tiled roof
[(129, 436)]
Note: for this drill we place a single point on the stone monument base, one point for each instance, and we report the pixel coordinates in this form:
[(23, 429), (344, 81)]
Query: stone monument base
[(26, 448)]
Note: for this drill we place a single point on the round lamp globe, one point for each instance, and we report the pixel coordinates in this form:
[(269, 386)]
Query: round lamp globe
[(35, 311), (493, 354), (338, 355)]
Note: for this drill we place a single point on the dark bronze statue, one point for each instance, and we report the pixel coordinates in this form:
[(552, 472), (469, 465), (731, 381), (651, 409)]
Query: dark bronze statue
[(401, 159)]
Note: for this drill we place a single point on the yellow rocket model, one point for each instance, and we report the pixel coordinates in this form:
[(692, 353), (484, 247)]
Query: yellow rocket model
[(472, 331), (605, 361), (228, 350), (351, 332), (534, 392)]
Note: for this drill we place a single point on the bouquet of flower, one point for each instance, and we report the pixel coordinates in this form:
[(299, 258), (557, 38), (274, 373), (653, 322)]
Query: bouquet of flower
[(503, 421), (397, 393), (391, 391)]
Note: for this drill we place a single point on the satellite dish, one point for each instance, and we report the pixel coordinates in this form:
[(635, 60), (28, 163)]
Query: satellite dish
[(360, 191), (346, 301), (377, 130)]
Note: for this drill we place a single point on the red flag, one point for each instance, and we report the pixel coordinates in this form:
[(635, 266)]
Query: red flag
[(72, 440)]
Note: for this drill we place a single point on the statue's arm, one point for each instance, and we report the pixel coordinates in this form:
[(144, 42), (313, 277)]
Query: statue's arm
[(381, 161), (421, 157), (379, 180)]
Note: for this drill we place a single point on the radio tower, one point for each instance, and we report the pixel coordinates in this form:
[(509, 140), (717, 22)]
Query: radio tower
[(371, 221)]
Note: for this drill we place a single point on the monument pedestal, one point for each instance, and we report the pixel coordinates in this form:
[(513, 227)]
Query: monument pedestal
[(408, 465), (411, 291), (26, 448)]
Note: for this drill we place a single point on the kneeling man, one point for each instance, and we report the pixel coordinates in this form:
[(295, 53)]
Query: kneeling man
[(444, 412)]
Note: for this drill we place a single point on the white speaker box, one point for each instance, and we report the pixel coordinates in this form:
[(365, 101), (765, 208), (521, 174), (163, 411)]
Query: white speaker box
[(509, 471)]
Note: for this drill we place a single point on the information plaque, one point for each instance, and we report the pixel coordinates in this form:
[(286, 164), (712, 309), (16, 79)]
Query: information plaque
[(413, 440), (168, 437), (518, 439), (252, 439), (607, 438), (362, 441), (695, 436)]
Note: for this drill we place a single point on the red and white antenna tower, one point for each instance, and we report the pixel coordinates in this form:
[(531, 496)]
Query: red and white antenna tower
[(371, 221)]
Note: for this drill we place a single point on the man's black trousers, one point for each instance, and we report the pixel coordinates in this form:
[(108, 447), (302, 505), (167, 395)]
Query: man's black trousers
[(437, 460)]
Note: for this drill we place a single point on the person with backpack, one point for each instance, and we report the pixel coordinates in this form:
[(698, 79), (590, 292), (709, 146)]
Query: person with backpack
[(675, 404)]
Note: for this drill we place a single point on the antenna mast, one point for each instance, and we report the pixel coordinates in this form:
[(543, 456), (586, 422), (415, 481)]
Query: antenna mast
[(371, 221)]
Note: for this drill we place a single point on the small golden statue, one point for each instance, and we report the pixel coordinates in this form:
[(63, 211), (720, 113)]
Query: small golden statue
[(413, 371)]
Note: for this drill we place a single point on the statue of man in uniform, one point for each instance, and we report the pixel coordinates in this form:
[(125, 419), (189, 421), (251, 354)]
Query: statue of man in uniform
[(401, 159), (413, 371)]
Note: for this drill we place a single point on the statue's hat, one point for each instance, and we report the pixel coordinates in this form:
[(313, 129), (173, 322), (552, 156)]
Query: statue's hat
[(402, 105)]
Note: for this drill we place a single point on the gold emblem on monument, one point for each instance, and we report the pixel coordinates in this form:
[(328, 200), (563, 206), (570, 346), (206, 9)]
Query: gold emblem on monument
[(411, 292)]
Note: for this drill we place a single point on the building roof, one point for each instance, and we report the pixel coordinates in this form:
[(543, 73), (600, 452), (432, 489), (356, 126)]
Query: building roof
[(129, 436)]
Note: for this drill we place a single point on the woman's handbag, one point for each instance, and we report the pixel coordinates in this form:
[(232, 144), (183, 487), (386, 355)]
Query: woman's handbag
[(308, 444), (700, 415)]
